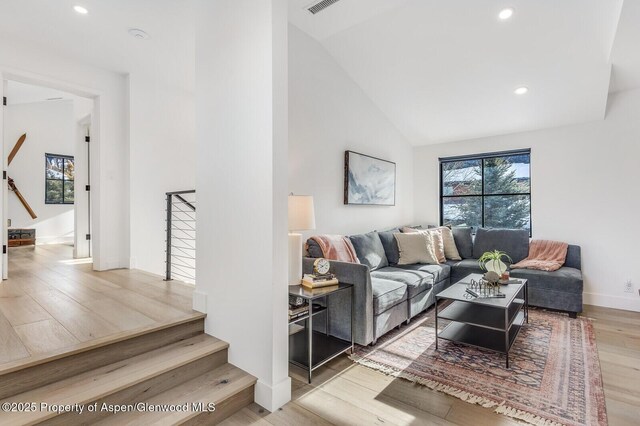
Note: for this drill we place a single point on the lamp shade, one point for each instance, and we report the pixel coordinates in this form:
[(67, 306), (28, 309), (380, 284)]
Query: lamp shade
[(301, 214)]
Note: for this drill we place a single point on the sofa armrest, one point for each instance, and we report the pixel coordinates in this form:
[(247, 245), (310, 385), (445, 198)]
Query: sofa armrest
[(339, 321), (573, 259)]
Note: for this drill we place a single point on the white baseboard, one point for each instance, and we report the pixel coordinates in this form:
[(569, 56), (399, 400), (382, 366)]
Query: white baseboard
[(41, 241), (631, 303), (110, 264), (273, 397), (199, 302)]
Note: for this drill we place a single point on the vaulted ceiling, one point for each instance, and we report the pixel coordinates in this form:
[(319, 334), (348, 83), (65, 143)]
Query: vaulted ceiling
[(440, 70), (447, 70)]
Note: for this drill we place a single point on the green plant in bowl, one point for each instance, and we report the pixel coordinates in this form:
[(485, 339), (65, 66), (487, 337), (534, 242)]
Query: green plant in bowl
[(492, 261)]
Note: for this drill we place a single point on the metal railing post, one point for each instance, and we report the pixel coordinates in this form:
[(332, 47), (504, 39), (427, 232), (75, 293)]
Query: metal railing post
[(168, 252)]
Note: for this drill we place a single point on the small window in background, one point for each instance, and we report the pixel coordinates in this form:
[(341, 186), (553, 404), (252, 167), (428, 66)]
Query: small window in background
[(486, 190), (59, 176)]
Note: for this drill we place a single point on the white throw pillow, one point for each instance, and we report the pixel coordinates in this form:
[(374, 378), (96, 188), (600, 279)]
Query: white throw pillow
[(415, 247), (438, 244), (450, 248), (435, 242)]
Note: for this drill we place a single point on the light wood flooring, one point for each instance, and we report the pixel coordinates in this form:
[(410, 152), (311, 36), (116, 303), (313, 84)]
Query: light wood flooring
[(52, 304), (350, 394)]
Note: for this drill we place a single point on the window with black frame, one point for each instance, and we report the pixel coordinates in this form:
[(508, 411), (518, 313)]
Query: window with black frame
[(59, 176), (486, 190)]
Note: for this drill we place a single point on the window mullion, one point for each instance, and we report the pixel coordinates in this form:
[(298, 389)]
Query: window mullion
[(482, 192)]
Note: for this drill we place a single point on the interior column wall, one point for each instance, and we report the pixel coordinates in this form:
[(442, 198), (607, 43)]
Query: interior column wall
[(241, 183)]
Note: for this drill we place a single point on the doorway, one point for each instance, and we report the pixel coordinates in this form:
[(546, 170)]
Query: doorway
[(47, 133)]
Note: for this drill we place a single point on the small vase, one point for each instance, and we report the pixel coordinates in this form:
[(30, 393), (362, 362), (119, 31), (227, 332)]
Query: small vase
[(497, 266)]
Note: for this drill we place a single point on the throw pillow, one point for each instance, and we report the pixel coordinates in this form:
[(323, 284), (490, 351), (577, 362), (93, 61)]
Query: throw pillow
[(369, 250), (415, 248), (438, 244), (435, 245), (390, 245), (313, 248), (450, 249), (464, 241)]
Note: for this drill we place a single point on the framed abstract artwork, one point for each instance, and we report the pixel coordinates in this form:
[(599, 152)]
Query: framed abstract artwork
[(369, 180)]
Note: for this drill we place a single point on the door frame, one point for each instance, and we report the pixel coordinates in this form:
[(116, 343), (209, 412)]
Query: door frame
[(20, 76)]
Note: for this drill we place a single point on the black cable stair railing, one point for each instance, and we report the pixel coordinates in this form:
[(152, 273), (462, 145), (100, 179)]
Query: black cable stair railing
[(181, 236)]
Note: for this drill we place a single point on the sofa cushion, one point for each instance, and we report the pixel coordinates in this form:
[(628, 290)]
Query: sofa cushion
[(390, 245), (464, 241), (416, 281), (439, 272), (514, 242), (369, 250), (568, 280), (387, 294), (461, 268)]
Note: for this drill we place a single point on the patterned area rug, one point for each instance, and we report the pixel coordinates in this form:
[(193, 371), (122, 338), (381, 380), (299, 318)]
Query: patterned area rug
[(554, 376)]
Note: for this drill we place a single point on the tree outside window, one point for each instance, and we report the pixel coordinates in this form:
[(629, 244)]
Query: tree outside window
[(492, 190), (59, 176)]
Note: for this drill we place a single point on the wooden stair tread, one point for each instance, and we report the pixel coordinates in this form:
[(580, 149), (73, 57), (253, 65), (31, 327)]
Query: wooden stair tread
[(98, 383), (214, 387), (22, 364)]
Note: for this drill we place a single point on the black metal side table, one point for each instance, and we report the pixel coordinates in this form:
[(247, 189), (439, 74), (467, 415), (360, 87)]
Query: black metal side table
[(311, 349)]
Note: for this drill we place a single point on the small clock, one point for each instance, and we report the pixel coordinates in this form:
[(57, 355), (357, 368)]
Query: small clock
[(321, 266)]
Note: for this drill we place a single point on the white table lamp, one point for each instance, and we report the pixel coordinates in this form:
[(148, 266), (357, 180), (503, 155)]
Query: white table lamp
[(301, 218)]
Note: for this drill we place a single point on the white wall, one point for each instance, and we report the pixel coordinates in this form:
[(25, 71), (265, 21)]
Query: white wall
[(241, 128), (584, 191), (163, 157), (28, 63), (50, 129), (329, 114)]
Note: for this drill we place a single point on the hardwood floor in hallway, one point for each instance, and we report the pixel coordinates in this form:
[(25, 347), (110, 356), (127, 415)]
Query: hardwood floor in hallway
[(53, 304)]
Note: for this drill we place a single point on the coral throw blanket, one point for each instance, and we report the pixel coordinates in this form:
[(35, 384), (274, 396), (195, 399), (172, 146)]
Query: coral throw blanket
[(336, 247), (544, 255)]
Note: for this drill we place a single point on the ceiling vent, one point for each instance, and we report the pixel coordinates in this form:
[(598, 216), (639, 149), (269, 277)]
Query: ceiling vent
[(321, 5)]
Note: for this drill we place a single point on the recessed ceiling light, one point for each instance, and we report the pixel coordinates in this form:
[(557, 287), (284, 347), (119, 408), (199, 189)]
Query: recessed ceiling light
[(521, 90), (138, 33), (505, 13), (81, 10)]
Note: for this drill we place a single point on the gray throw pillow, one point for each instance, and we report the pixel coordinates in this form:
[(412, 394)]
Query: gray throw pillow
[(514, 242), (314, 248), (390, 245), (369, 250), (464, 241)]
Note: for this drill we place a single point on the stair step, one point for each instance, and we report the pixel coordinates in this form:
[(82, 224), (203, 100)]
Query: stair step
[(127, 380), (21, 376), (228, 388)]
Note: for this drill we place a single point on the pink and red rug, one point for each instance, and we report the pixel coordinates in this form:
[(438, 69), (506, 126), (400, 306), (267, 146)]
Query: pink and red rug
[(554, 376)]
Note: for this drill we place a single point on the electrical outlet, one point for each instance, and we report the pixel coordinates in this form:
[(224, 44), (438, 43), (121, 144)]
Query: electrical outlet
[(628, 287)]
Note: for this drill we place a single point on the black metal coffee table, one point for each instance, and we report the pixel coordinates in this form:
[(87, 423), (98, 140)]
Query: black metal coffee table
[(489, 323)]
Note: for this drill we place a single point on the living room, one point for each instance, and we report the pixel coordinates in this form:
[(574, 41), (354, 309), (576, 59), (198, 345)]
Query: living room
[(247, 101)]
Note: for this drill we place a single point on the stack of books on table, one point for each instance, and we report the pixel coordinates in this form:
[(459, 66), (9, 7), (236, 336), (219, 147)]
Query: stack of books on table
[(298, 311), (319, 281)]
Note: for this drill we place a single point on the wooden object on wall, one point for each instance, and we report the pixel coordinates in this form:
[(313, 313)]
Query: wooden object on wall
[(12, 185)]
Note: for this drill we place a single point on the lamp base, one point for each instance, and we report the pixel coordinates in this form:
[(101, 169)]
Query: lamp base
[(295, 258)]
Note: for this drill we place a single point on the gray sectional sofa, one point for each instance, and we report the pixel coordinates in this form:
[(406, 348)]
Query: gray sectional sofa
[(388, 294)]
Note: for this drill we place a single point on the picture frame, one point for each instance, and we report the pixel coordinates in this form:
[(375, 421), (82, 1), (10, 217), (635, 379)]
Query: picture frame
[(368, 180)]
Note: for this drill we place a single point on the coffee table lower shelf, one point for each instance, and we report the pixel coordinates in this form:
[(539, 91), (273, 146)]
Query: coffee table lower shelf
[(482, 337)]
